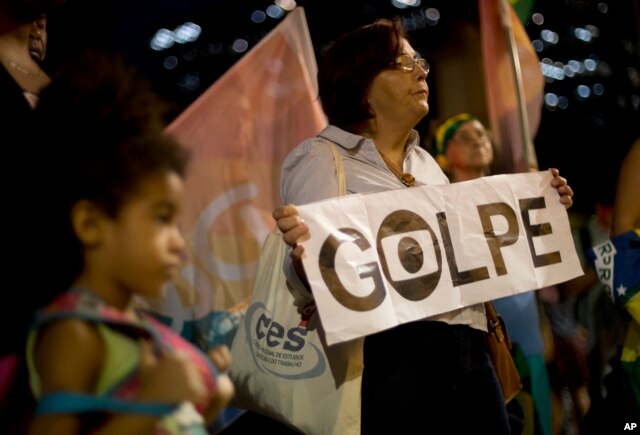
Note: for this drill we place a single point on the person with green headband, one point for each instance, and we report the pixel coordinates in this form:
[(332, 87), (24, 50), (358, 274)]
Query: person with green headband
[(463, 147), (464, 150)]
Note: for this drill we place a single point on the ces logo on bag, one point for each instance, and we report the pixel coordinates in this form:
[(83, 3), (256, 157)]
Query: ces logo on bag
[(281, 351)]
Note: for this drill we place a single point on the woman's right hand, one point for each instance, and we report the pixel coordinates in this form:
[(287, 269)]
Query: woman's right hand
[(293, 228)]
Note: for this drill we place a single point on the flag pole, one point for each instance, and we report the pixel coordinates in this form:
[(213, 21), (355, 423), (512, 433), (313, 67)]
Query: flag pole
[(529, 157)]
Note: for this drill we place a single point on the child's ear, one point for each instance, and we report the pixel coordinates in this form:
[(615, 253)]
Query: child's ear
[(88, 222)]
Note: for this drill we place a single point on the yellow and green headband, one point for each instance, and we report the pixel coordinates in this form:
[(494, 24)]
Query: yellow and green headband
[(444, 132)]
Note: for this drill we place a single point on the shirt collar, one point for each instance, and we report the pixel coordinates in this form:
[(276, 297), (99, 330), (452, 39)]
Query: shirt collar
[(349, 140)]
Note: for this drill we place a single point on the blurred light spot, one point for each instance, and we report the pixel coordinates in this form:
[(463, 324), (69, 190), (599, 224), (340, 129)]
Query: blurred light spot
[(603, 7), (593, 30), (563, 102), (162, 40), (537, 18), (190, 82), (550, 36), (550, 99), (635, 101), (598, 89), (240, 45), (590, 65), (538, 45), (275, 11), (258, 16), (582, 34), (577, 66), (583, 91), (187, 32), (552, 71), (403, 4), (170, 62), (569, 71), (287, 5), (432, 15)]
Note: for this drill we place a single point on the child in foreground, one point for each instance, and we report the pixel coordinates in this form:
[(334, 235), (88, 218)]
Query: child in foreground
[(112, 194)]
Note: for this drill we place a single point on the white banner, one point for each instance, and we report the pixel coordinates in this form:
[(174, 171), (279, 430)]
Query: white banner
[(378, 260)]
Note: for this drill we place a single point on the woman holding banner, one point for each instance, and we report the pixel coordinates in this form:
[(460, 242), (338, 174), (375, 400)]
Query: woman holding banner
[(419, 377)]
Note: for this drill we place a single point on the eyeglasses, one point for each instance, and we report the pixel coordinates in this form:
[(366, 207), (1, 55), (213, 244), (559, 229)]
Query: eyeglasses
[(408, 63)]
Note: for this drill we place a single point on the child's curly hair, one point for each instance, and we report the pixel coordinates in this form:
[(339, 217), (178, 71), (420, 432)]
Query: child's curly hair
[(100, 133)]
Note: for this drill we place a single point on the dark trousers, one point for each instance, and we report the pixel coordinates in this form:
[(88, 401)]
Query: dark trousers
[(430, 378)]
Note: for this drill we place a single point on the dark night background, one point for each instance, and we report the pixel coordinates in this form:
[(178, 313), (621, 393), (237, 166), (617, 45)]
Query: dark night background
[(590, 120)]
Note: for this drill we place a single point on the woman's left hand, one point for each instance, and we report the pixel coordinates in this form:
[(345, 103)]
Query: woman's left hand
[(564, 190)]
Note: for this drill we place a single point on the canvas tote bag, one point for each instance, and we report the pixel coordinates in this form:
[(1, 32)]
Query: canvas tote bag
[(286, 371)]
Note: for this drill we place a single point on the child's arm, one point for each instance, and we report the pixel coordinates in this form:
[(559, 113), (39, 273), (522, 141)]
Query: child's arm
[(68, 358)]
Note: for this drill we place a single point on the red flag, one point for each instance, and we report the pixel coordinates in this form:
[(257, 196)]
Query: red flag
[(514, 102), (239, 132)]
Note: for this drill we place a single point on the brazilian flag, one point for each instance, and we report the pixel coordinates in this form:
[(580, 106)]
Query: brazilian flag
[(617, 263)]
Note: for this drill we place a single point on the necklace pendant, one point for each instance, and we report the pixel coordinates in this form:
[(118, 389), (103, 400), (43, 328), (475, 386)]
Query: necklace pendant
[(408, 179)]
